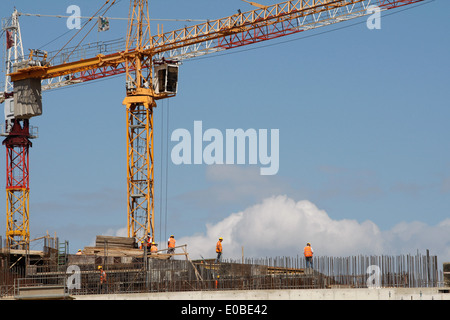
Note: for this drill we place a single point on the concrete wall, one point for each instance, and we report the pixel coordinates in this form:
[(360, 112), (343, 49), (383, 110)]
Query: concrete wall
[(295, 294)]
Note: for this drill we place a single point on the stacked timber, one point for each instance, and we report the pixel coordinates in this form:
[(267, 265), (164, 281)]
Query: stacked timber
[(113, 246), (116, 242), (112, 252), (110, 246), (124, 252)]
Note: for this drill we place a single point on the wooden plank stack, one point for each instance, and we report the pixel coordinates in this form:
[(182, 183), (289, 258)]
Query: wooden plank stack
[(112, 252), (113, 246), (115, 242)]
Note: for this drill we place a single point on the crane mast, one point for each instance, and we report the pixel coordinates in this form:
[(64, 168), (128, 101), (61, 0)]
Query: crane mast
[(143, 89), (150, 63), (16, 129), (17, 145), (139, 102)]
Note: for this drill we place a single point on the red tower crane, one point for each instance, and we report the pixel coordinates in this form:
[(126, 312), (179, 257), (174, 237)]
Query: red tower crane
[(18, 134)]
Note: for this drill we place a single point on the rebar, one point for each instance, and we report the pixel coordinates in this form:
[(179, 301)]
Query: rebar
[(139, 274)]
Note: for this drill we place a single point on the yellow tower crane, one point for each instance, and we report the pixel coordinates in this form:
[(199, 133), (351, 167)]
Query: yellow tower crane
[(150, 64)]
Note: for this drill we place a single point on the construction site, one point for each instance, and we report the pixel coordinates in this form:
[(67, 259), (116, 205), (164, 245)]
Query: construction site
[(118, 267), (130, 271)]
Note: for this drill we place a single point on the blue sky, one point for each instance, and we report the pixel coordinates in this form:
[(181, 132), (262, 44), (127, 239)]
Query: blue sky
[(363, 121)]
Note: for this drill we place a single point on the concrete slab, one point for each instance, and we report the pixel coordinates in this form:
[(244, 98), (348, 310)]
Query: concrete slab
[(295, 294)]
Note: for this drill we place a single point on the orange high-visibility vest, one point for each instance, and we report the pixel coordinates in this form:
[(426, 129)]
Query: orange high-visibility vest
[(218, 247), (308, 251), (102, 276), (149, 242), (172, 243)]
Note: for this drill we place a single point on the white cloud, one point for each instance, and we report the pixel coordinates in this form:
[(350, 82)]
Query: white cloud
[(280, 226), (235, 184)]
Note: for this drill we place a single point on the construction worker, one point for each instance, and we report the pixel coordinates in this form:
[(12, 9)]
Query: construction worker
[(217, 281), (149, 242), (154, 248), (103, 286), (308, 252), (171, 244), (219, 249), (79, 253)]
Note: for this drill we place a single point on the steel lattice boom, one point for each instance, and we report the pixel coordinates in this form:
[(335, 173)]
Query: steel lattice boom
[(254, 26)]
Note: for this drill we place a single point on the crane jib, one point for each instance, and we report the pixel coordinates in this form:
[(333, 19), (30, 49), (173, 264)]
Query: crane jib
[(246, 28)]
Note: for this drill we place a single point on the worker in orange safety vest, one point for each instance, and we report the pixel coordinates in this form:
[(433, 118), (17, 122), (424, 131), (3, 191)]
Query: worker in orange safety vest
[(171, 244), (219, 249), (149, 241), (308, 252), (153, 248), (103, 286)]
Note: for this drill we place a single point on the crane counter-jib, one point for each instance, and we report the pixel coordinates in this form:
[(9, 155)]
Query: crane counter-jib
[(46, 72)]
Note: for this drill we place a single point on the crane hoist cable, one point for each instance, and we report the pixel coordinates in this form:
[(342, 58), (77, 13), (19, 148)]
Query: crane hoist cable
[(167, 166), (164, 168)]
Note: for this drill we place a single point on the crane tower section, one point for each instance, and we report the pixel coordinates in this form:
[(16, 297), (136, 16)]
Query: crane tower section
[(140, 103), (17, 145), (18, 185)]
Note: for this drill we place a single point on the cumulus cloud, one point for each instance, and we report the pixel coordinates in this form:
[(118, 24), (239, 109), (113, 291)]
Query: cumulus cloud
[(234, 184), (281, 226)]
